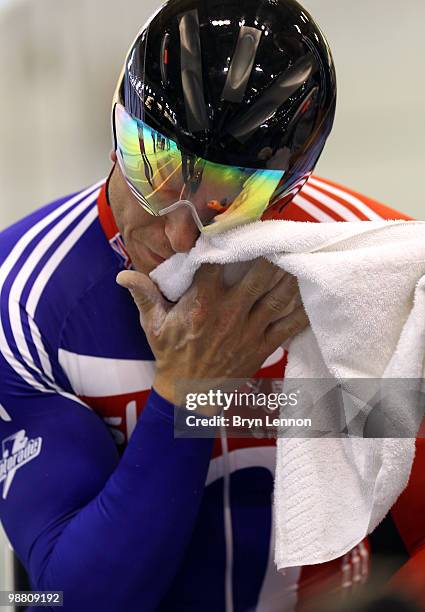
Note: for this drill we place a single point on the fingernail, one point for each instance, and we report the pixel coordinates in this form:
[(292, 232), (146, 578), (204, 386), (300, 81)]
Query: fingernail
[(118, 280), (123, 281)]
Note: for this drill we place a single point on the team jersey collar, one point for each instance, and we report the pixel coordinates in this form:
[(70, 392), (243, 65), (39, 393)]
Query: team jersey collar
[(110, 228)]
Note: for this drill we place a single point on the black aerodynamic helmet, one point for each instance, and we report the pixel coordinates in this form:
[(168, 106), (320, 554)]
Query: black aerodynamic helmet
[(223, 107)]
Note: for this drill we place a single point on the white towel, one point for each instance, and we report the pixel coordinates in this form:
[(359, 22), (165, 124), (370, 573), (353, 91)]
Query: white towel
[(362, 285)]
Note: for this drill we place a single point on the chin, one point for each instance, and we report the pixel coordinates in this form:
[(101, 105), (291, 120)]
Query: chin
[(145, 265), (143, 259)]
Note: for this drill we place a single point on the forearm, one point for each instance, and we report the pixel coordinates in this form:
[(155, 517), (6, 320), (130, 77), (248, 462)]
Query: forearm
[(123, 548)]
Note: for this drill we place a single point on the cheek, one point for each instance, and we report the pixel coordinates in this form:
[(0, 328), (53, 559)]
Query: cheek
[(140, 239), (136, 218), (149, 233), (135, 223)]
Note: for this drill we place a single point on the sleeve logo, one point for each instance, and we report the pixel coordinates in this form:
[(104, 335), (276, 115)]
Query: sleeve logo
[(17, 450)]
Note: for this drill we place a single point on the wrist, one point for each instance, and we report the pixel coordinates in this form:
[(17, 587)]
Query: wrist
[(175, 387), (165, 390), (176, 395)]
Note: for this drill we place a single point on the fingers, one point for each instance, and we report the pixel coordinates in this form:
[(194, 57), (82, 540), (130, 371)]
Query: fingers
[(285, 328), (208, 277), (205, 289), (277, 303), (259, 279), (147, 297)]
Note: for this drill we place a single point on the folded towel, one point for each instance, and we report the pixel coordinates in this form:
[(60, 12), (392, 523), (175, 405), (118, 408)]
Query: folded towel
[(363, 288)]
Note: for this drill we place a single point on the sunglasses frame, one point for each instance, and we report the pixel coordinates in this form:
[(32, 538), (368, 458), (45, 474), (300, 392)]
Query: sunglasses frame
[(139, 197)]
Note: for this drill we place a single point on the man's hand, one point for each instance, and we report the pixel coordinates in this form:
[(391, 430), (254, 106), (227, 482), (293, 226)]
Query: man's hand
[(214, 331)]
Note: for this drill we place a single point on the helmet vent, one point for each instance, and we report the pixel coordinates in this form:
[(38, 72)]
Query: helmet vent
[(241, 64), (272, 99), (191, 72), (164, 59)]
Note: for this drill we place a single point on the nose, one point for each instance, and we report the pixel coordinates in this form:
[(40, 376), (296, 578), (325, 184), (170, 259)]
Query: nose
[(181, 229)]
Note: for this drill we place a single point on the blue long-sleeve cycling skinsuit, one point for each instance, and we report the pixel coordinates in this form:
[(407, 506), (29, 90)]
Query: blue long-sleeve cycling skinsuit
[(101, 504)]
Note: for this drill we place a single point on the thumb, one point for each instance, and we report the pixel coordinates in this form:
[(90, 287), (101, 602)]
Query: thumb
[(144, 292)]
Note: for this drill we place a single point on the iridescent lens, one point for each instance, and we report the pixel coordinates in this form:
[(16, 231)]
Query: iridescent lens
[(160, 175)]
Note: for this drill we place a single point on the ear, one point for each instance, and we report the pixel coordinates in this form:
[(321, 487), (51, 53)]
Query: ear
[(113, 156)]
